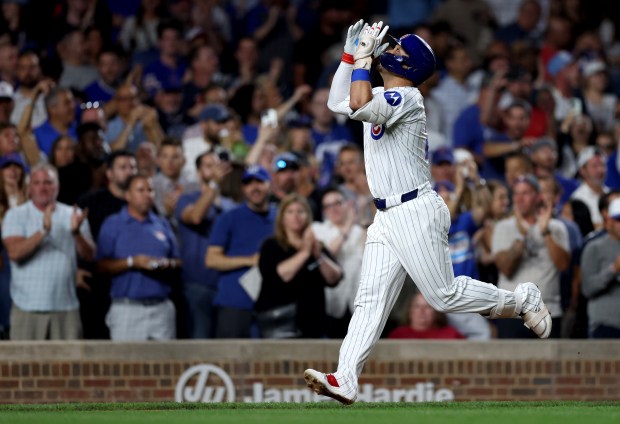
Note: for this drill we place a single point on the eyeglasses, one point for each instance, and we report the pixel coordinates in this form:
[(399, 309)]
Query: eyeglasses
[(90, 105), (333, 204)]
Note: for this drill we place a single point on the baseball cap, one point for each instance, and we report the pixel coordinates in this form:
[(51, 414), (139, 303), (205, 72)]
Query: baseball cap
[(586, 154), (215, 112), (6, 90), (529, 179), (593, 67), (255, 172), (285, 161), (13, 158), (614, 209), (445, 185), (443, 154), (558, 62)]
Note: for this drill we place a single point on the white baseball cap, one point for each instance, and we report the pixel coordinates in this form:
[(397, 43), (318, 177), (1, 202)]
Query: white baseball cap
[(6, 90), (588, 153), (614, 208)]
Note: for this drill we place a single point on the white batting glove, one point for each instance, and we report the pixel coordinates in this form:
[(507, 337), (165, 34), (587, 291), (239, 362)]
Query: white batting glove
[(352, 35), (369, 44)]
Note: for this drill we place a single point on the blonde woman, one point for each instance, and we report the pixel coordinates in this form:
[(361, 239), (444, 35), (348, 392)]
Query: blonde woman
[(295, 268)]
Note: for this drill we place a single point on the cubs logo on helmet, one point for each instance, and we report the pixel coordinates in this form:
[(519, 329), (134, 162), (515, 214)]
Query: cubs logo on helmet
[(377, 131)]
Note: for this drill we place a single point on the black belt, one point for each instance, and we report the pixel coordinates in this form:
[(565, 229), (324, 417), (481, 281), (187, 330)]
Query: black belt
[(143, 302), (382, 205)]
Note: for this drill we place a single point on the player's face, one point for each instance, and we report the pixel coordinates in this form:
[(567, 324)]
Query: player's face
[(295, 218)]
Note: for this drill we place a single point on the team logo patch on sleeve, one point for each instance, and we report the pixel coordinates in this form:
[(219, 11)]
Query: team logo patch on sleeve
[(393, 98), (376, 131)]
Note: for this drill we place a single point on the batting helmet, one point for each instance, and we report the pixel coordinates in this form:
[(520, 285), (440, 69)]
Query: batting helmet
[(418, 66)]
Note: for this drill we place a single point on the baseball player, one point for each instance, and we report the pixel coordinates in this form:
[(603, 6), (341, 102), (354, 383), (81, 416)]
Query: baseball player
[(410, 230)]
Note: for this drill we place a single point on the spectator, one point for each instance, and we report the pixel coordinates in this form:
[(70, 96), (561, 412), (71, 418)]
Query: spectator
[(355, 185), (600, 265), (95, 296), (29, 77), (285, 176), (423, 322), (602, 107), (592, 169), (172, 119), (109, 69), (13, 192), (134, 123), (196, 212), (344, 239), (295, 268), (442, 165), (76, 72), (234, 244), (523, 28), (168, 183), (544, 155), (168, 69), (8, 60), (60, 107), (6, 101), (139, 251), (41, 238), (139, 32), (531, 246)]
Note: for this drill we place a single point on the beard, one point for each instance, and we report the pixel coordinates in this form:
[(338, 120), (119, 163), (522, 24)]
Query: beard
[(29, 83)]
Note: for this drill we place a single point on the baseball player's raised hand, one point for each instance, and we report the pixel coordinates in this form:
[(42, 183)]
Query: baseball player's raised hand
[(369, 44), (352, 36)]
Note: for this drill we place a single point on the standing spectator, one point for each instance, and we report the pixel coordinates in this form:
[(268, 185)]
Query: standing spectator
[(531, 246), (355, 185), (76, 72), (454, 93), (344, 239), (13, 192), (234, 244), (600, 266), (168, 184), (592, 169), (134, 123), (42, 237), (60, 107), (139, 251), (29, 75), (139, 32), (109, 69), (602, 107), (168, 69), (544, 155), (196, 212), (296, 268), (95, 297)]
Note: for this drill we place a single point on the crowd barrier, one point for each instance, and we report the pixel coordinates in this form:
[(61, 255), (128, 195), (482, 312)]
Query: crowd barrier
[(272, 371)]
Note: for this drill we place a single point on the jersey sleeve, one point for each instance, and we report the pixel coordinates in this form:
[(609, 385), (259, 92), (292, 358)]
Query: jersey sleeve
[(391, 106), (338, 101)]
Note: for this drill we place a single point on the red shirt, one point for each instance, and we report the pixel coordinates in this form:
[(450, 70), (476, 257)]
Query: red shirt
[(407, 332)]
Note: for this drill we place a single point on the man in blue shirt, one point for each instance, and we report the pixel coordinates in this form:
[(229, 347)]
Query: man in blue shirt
[(235, 241), (139, 250), (196, 212), (60, 106), (109, 69)]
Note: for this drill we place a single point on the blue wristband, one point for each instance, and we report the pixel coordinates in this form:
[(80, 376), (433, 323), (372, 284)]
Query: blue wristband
[(360, 75)]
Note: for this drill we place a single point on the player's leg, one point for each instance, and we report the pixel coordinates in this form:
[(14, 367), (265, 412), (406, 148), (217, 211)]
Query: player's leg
[(425, 254), (382, 278)]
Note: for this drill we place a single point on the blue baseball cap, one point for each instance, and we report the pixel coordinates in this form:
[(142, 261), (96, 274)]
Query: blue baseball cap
[(13, 158), (255, 172), (214, 112), (447, 185), (558, 62), (443, 154)]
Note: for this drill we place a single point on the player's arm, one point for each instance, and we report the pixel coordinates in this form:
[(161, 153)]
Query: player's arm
[(369, 45), (341, 83)]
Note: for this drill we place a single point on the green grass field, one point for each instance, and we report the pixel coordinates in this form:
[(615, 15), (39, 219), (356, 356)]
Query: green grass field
[(321, 413)]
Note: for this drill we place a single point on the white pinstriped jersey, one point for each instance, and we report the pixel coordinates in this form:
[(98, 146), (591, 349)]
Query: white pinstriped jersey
[(395, 140)]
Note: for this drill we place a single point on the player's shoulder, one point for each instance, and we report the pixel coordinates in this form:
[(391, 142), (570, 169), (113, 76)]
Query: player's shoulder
[(398, 96)]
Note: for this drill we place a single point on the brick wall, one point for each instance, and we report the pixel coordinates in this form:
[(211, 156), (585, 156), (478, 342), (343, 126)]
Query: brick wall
[(265, 371)]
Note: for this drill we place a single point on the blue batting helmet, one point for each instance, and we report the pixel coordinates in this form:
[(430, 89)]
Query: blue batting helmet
[(418, 66)]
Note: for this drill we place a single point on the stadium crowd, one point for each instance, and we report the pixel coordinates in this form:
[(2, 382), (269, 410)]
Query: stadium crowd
[(209, 192)]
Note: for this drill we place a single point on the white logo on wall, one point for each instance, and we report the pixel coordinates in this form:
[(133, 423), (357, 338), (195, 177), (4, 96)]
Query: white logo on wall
[(210, 383)]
